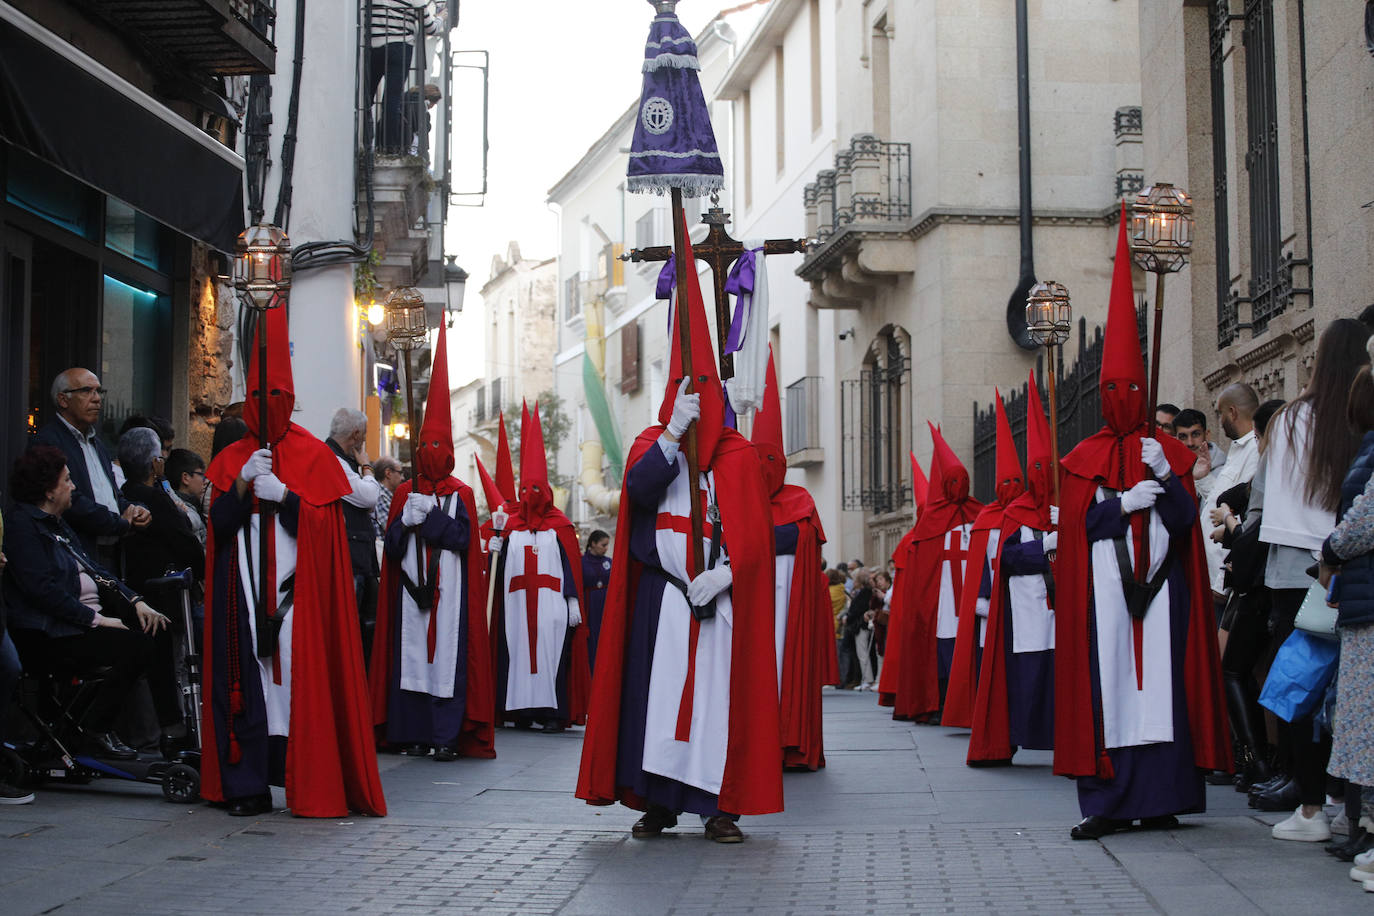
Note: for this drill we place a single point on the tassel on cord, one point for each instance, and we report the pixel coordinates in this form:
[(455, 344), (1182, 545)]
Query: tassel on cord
[(1105, 770)]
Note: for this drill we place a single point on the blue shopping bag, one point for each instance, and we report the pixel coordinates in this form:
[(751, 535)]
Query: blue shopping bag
[(1298, 678)]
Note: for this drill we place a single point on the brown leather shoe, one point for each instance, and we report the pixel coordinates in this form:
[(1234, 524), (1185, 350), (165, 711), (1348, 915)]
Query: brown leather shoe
[(723, 830), (655, 821)]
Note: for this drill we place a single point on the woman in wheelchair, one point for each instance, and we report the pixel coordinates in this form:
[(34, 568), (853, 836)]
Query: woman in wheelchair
[(65, 613)]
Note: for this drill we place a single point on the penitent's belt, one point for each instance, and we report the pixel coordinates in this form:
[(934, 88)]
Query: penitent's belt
[(1139, 595), (422, 593), (708, 610)]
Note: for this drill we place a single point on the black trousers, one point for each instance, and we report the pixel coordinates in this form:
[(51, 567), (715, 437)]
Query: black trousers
[(1307, 756), (390, 61), (127, 653)]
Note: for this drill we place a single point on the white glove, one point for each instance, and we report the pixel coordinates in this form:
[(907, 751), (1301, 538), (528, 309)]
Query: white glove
[(494, 545), (1141, 496), (574, 613), (980, 607), (269, 488), (1152, 456), (1051, 542), (1054, 516), (708, 585), (258, 463), (417, 508), (686, 408)]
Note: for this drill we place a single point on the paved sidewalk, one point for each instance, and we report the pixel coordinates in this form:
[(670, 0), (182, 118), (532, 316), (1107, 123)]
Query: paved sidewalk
[(895, 824)]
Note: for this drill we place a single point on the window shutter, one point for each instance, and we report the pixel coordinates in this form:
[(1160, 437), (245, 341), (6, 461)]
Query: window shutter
[(629, 358)]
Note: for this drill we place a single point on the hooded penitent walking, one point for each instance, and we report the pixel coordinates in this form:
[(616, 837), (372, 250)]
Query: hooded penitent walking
[(431, 674), (1014, 706), (803, 621), (542, 675), (286, 693), (903, 556), (1139, 714)]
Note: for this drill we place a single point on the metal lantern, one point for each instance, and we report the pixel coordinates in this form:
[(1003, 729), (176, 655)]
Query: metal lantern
[(1161, 228), (1049, 316), (262, 266), (406, 327)]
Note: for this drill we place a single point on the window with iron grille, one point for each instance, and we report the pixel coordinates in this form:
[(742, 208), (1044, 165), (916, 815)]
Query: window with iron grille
[(802, 407), (1218, 21), (875, 431), (572, 297)]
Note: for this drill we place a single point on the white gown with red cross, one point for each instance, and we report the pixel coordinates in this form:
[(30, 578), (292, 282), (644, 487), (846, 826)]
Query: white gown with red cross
[(429, 639), (953, 565), (275, 670), (688, 720), (536, 618)]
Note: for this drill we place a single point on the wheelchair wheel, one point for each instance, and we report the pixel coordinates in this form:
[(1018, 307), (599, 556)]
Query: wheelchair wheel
[(181, 784), (13, 769)]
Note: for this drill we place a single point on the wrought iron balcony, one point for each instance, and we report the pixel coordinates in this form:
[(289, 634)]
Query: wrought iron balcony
[(802, 430), (869, 186), (220, 37)]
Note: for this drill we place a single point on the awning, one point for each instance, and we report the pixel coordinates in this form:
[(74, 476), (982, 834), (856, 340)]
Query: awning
[(68, 109)]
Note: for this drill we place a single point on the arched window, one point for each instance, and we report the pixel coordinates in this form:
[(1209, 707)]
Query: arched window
[(875, 420)]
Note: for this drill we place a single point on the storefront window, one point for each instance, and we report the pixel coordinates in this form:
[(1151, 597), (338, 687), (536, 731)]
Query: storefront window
[(135, 348), (50, 194), (133, 234)]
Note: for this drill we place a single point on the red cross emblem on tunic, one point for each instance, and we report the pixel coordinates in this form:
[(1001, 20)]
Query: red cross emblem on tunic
[(1139, 525), (531, 582), (682, 524), (956, 554)]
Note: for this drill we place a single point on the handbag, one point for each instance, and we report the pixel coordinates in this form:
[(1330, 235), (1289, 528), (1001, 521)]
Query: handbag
[(1298, 678), (1315, 616)]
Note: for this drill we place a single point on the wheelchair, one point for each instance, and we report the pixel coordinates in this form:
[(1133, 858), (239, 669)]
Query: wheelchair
[(54, 703)]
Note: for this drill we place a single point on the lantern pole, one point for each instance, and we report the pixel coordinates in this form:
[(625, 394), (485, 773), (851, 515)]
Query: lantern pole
[(406, 330), (1156, 335)]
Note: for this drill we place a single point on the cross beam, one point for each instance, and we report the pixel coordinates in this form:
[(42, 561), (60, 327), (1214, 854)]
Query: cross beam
[(720, 251)]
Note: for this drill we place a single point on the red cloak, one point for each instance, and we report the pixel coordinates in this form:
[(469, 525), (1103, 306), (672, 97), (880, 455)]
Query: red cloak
[(477, 737), (331, 766), (1077, 750), (808, 659), (991, 718), (752, 782), (962, 690)]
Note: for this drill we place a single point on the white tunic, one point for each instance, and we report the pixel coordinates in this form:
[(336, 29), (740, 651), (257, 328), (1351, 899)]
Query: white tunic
[(420, 673), (947, 623), (534, 563), (1032, 619), (277, 696)]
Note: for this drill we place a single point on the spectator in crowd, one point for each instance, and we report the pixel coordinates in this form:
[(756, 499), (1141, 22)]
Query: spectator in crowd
[(1366, 316), (1245, 622), (1347, 568), (852, 567), (1190, 427), (166, 545), (394, 27), (1164, 417), (165, 432), (596, 575), (10, 670), (419, 100), (858, 634), (882, 608), (1298, 490), (229, 430), (348, 441), (838, 601), (64, 609), (389, 475), (98, 514), (185, 473)]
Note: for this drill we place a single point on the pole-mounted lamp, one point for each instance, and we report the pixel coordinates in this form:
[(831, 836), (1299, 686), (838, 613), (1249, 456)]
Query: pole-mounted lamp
[(1160, 234), (1049, 319), (406, 330)]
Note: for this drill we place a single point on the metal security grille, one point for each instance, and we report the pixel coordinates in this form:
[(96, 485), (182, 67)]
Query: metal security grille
[(1228, 321), (873, 441), (1271, 280)]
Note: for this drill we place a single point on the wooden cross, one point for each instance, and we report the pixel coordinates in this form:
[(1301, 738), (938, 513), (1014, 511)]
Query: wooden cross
[(720, 251)]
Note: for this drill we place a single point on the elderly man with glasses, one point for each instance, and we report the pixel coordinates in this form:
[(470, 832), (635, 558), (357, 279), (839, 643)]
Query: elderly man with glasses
[(99, 514)]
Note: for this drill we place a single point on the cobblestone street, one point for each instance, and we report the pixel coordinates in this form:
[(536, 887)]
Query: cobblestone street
[(896, 823)]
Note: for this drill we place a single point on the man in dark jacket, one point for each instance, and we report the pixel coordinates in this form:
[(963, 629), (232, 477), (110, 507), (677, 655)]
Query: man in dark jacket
[(99, 514), (348, 441)]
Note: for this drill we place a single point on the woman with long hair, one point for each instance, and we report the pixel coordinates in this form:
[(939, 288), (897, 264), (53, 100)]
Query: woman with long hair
[(1310, 448)]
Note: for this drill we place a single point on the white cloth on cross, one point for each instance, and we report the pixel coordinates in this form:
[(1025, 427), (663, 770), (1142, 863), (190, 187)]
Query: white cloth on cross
[(751, 361)]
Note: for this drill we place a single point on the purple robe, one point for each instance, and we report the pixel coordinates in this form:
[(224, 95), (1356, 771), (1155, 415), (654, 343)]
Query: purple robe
[(596, 574), (1030, 675)]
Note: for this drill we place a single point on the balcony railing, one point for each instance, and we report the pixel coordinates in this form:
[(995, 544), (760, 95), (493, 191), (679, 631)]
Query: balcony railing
[(802, 429), (219, 37), (396, 95), (869, 186), (492, 398)]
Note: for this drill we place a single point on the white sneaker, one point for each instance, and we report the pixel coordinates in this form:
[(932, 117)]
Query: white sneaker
[(1314, 829), (1365, 858), (1369, 885), (1340, 824), (1362, 872)]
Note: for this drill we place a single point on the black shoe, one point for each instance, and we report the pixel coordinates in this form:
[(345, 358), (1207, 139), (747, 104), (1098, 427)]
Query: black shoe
[(415, 750), (1268, 785), (1285, 798), (1218, 778), (1093, 827), (251, 805), (553, 728), (656, 820), (445, 754), (1359, 841), (1163, 822), (722, 829), (110, 747), (13, 795)]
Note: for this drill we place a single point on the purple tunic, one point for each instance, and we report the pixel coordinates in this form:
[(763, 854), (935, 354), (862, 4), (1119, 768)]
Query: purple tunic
[(647, 482), (1030, 675), (419, 718), (596, 575), (1151, 780)]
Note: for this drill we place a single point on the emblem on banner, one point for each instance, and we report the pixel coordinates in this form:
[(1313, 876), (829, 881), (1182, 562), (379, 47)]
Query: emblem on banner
[(657, 115)]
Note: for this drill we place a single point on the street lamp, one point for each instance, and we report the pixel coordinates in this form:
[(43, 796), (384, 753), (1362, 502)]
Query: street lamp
[(1049, 319), (406, 330), (455, 284), (1160, 234)]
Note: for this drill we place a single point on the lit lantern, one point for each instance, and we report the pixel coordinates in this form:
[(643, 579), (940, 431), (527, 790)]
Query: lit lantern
[(262, 266), (1161, 228), (399, 431), (1049, 316), (376, 313), (406, 327)]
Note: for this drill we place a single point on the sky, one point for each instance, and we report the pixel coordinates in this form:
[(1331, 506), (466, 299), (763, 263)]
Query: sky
[(561, 72)]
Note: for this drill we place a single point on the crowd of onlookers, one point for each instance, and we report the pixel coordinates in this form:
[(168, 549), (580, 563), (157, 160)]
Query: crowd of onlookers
[(89, 529), (861, 600)]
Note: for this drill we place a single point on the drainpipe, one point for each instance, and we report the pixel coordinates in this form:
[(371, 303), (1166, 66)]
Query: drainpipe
[(1016, 305)]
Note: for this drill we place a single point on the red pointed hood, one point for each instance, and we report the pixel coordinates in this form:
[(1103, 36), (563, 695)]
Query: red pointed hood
[(536, 497), (489, 489), (767, 434), (947, 501), (505, 469), (706, 380), (1033, 506), (1010, 482), (281, 389), (434, 446), (1122, 381), (920, 487)]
